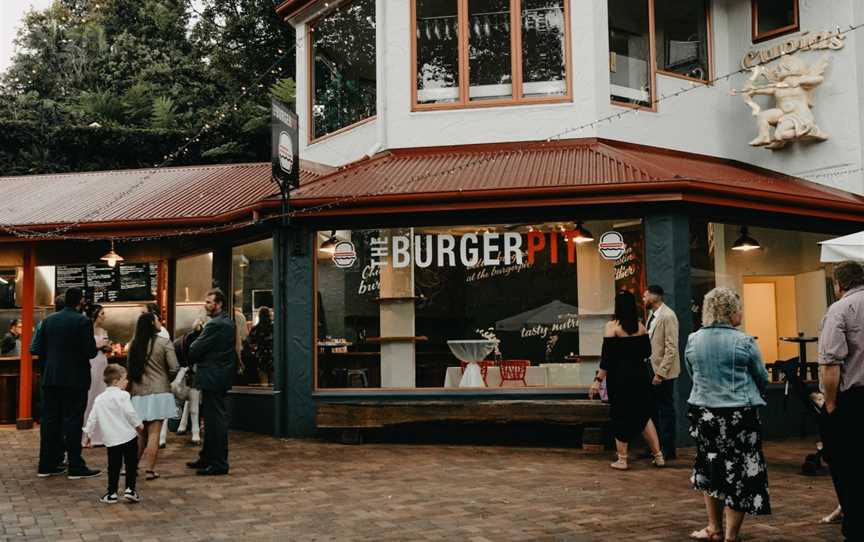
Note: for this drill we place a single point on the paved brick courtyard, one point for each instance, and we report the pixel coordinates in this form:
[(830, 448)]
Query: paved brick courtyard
[(314, 490)]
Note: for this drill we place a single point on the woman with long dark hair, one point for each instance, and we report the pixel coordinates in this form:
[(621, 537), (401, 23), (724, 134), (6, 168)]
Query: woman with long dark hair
[(261, 341), (96, 314), (152, 361), (624, 366)]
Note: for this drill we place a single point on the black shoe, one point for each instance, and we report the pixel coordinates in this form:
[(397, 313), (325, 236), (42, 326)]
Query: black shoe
[(80, 474), (211, 471), (51, 472), (131, 495), (197, 464), (181, 433), (162, 446), (109, 498)]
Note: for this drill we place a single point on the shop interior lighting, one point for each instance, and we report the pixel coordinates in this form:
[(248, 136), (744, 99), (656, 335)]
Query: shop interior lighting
[(745, 243), (582, 234), (328, 247), (111, 258)]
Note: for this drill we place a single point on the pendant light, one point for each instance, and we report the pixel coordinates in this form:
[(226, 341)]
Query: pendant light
[(328, 247), (745, 243), (111, 258), (582, 234)]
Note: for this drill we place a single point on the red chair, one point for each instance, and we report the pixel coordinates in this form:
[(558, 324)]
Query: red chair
[(513, 369), (484, 367)]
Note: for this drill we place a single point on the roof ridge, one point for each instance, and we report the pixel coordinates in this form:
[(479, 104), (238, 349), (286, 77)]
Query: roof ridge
[(191, 167), (646, 167)]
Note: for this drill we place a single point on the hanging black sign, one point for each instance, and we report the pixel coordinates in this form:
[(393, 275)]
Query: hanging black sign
[(284, 149)]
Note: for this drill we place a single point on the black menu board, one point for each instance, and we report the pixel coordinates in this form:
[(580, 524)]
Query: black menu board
[(102, 284)]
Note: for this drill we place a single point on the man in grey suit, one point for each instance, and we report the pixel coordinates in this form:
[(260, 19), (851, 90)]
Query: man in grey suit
[(65, 344), (215, 360), (666, 364)]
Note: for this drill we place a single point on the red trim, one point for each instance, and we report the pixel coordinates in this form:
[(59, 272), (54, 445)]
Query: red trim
[(25, 370)]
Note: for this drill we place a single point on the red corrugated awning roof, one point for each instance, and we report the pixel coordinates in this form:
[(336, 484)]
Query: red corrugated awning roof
[(165, 195), (581, 171)]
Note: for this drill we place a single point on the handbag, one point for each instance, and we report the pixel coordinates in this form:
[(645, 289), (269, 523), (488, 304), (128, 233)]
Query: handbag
[(179, 387)]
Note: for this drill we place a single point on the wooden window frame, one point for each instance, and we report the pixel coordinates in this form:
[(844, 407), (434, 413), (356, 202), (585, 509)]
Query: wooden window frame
[(709, 37), (310, 76), (653, 71), (515, 63), (771, 34)]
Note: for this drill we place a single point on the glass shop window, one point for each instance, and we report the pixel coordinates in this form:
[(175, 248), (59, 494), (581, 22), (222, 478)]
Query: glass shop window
[(630, 68), (343, 67), (682, 38), (512, 51), (194, 280), (482, 306), (772, 18), (252, 287)]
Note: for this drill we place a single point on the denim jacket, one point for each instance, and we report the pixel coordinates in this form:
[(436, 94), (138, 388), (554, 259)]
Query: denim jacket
[(726, 368)]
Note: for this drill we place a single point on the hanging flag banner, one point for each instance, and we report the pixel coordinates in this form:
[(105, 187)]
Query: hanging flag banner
[(284, 151)]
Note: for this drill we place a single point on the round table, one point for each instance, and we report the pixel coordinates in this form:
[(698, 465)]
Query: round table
[(471, 351), (802, 351)]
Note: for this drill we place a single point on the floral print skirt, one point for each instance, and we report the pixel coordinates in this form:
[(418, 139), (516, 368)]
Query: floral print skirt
[(730, 465)]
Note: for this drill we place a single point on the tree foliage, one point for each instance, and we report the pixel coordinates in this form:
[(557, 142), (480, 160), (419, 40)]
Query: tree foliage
[(127, 69)]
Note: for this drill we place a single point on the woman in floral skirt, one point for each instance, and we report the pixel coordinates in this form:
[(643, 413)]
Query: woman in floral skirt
[(729, 379)]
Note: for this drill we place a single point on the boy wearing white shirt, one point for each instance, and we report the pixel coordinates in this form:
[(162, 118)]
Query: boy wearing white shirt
[(115, 418)]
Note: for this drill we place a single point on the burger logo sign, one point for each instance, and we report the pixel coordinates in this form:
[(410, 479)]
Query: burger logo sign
[(344, 254), (286, 152), (611, 245)]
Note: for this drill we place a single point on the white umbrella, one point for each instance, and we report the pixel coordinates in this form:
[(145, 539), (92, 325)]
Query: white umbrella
[(841, 249)]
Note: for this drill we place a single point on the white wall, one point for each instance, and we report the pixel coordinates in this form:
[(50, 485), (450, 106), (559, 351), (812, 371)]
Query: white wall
[(706, 120)]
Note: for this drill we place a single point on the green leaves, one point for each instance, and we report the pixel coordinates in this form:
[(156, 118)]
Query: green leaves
[(284, 90), (164, 115)]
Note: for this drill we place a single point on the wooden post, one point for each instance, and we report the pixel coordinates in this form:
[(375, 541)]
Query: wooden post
[(25, 382)]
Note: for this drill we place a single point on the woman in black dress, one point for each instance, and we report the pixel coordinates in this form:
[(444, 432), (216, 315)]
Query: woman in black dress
[(623, 365)]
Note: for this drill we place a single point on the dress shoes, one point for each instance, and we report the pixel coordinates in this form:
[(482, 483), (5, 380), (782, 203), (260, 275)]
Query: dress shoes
[(211, 471), (197, 464)]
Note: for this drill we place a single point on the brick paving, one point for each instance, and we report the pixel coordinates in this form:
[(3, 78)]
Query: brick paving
[(320, 491)]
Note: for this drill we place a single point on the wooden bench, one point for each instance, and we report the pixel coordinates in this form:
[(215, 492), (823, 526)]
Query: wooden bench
[(351, 417)]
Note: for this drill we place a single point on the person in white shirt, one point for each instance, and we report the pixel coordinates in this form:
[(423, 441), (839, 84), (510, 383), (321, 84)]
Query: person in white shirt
[(114, 417)]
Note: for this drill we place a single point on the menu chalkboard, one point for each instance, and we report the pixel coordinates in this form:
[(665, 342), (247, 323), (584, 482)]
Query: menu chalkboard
[(101, 284)]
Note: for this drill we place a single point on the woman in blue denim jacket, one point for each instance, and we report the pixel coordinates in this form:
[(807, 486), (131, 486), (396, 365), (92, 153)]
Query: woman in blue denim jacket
[(729, 379)]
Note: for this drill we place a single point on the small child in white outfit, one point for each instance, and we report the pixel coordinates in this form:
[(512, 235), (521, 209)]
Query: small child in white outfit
[(115, 418)]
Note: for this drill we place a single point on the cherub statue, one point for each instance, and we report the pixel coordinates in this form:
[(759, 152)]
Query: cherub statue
[(792, 84)]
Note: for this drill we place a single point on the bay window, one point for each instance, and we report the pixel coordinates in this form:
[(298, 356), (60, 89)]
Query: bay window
[(490, 52)]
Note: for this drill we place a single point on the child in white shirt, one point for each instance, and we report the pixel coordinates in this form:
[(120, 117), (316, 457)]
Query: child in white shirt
[(115, 418)]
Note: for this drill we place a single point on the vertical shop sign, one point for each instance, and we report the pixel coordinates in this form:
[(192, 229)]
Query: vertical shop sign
[(284, 150)]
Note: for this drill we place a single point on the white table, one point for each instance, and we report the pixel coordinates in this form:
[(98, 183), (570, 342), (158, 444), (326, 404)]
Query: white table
[(471, 351), (534, 376)]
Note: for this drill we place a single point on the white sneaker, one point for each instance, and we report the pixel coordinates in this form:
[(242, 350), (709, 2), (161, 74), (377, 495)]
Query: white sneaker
[(131, 495), (109, 498)]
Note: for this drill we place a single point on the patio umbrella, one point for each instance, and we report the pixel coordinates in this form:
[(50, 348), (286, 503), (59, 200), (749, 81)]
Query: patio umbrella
[(848, 247), (554, 312)]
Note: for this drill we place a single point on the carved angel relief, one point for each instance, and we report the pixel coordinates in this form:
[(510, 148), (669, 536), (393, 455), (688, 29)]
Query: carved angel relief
[(791, 84)]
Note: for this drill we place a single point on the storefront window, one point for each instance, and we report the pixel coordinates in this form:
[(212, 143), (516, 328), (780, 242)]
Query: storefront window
[(682, 38), (343, 66), (784, 288), (501, 39), (194, 280), (630, 72), (390, 300), (772, 18), (252, 285)]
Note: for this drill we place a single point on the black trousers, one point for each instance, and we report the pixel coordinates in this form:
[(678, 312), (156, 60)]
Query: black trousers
[(664, 415), (118, 455), (60, 428), (214, 409), (842, 432)]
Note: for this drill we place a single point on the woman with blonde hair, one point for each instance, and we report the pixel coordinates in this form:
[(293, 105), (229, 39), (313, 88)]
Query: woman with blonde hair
[(729, 379), (152, 362)]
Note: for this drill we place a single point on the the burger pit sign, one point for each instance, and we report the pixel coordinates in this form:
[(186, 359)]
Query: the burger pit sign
[(474, 249)]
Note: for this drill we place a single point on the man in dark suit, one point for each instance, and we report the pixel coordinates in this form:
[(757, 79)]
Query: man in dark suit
[(65, 345), (215, 362)]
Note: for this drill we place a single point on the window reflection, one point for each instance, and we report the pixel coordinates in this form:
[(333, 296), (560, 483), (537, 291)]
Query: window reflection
[(629, 52), (682, 37), (489, 63), (252, 286), (343, 66), (437, 51), (543, 48)]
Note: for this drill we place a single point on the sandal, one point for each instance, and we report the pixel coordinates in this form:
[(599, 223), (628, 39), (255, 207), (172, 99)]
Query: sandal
[(150, 475), (658, 460), (834, 517), (621, 464), (705, 534)]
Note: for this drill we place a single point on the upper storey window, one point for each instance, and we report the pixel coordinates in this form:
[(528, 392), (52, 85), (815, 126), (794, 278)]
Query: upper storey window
[(772, 18), (490, 52), (650, 36), (342, 67)]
